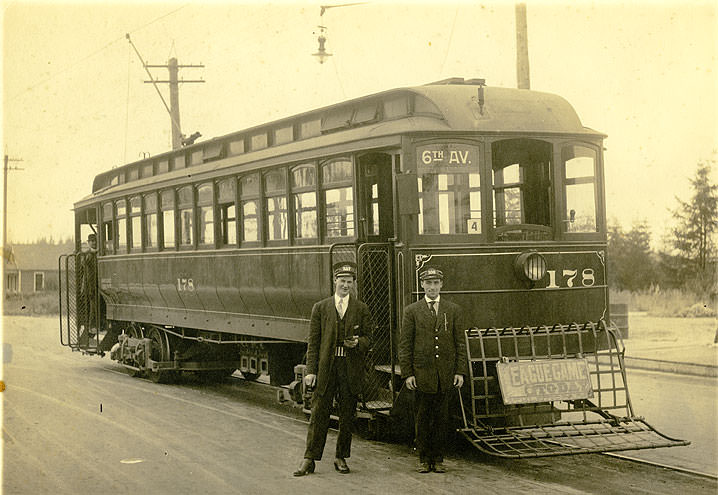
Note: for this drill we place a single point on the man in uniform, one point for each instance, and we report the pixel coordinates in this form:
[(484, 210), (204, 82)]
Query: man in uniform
[(339, 337), (432, 356), (87, 305)]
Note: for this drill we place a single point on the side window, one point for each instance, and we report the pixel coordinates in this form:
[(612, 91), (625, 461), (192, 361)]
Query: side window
[(150, 212), (449, 189), (304, 198), (121, 234), (227, 212), (275, 193), (579, 165), (135, 224), (185, 205), (338, 197), (108, 233), (167, 203), (205, 214), (249, 205)]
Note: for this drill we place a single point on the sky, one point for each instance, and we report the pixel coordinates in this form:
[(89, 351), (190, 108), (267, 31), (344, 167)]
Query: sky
[(75, 102)]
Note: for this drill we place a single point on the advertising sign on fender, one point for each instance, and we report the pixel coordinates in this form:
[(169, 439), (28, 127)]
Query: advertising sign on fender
[(525, 382)]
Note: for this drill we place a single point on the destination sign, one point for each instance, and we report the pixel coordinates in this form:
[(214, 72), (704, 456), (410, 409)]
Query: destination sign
[(448, 155), (525, 382)]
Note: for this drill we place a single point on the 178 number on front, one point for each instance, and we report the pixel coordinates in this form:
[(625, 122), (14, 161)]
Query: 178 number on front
[(569, 278)]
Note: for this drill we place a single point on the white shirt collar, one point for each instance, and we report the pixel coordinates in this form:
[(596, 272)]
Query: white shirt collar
[(426, 298), (344, 300)]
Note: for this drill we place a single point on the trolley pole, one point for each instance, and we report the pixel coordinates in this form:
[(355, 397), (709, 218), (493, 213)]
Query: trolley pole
[(4, 196), (173, 67), (522, 48)]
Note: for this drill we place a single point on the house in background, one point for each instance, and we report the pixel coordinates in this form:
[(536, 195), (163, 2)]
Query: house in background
[(30, 268)]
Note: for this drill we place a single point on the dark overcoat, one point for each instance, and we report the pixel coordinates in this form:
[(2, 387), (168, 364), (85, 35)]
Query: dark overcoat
[(432, 350), (323, 341)]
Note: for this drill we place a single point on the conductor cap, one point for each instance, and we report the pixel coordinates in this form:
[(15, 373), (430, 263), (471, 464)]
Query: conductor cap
[(347, 268), (431, 274)]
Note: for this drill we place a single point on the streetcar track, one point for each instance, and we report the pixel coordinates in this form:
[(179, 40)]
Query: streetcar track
[(124, 428), (658, 464), (233, 381), (58, 482)]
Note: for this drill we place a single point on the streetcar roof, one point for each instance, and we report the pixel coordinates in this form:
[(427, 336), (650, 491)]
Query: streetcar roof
[(447, 106)]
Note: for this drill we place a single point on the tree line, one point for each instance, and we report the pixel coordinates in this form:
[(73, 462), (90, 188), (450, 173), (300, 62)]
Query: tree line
[(688, 256)]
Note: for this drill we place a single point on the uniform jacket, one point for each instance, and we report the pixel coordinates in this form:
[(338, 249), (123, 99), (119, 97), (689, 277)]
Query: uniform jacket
[(323, 341), (431, 350)]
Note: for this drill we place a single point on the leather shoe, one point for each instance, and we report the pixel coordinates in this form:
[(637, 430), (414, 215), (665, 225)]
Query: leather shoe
[(423, 467), (307, 467), (439, 467), (341, 465)]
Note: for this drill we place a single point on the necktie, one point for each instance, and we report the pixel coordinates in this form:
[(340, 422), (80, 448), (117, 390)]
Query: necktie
[(340, 309), (432, 306)]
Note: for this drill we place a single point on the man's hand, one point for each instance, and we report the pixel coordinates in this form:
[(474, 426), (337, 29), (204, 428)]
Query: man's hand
[(310, 380), (411, 383), (458, 381), (351, 342)]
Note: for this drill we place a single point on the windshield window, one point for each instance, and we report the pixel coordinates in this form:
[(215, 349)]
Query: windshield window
[(522, 182), (449, 189)]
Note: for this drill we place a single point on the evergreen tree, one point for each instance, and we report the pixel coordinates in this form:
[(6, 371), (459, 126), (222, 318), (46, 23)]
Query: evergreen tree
[(631, 265), (693, 241)]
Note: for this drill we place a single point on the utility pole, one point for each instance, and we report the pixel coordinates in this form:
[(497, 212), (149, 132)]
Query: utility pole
[(522, 48), (4, 205), (173, 67)]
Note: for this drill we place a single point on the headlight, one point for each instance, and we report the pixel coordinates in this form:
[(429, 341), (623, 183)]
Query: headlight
[(530, 266)]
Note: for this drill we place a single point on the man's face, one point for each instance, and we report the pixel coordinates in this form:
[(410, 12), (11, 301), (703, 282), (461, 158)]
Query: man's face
[(343, 284), (92, 242), (432, 287)]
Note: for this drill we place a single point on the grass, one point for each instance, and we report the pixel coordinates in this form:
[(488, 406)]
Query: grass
[(667, 303), (660, 303), (45, 303)]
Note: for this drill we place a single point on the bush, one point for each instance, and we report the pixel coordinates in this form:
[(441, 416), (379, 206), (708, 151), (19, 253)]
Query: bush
[(667, 302), (45, 303)]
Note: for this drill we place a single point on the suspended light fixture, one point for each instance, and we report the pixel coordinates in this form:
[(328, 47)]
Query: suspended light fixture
[(322, 53)]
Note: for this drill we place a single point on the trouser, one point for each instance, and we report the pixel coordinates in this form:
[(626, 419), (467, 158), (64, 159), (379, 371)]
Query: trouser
[(432, 424), (321, 408)]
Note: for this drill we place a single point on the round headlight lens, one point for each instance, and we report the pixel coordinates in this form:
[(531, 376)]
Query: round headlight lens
[(531, 265)]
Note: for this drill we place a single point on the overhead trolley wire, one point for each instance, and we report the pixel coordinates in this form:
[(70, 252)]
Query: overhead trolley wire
[(92, 54)]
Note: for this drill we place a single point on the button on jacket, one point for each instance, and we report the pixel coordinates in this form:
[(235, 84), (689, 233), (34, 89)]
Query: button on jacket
[(432, 349), (323, 340)]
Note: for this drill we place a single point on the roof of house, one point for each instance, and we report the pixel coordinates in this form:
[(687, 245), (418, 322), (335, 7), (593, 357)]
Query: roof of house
[(41, 257)]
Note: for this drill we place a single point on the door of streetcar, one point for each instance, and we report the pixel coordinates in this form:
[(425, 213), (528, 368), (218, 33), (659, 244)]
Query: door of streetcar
[(376, 219)]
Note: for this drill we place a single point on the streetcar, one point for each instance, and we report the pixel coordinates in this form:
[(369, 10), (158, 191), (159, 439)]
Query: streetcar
[(210, 257)]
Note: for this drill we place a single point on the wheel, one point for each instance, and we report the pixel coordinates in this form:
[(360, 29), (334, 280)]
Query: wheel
[(159, 351), (135, 332)]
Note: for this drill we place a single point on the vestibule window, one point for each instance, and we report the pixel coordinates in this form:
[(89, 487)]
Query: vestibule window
[(108, 234), (579, 189), (522, 181), (449, 189), (338, 197), (121, 215), (304, 196)]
